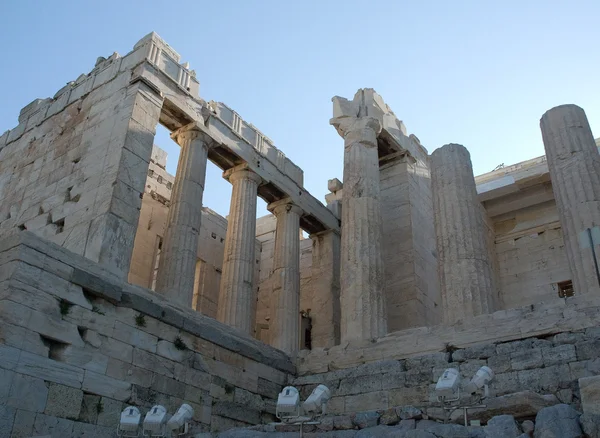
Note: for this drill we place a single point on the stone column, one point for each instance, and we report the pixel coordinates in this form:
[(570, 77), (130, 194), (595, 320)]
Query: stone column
[(180, 246), (285, 279), (465, 268), (236, 297), (363, 312), (325, 284), (574, 165)]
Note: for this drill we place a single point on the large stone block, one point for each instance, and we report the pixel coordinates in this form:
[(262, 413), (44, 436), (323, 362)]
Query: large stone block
[(7, 417), (50, 370), (9, 357), (557, 421), (589, 388), (23, 424), (110, 412), (64, 401), (28, 393), (526, 359), (6, 378), (366, 401), (136, 338), (52, 426), (106, 386), (128, 372)]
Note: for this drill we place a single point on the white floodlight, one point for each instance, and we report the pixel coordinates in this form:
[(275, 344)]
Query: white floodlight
[(155, 422), (447, 387), (316, 403), (288, 404), (130, 422), (179, 423), (480, 380)]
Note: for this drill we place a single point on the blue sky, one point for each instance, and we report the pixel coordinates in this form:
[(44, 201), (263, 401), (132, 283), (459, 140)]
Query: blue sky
[(479, 73)]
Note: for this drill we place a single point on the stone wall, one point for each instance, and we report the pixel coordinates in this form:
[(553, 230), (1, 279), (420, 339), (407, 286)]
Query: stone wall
[(411, 280), (77, 345), (73, 170), (531, 254), (534, 372)]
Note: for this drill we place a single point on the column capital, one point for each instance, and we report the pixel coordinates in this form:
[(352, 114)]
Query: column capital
[(241, 171), (358, 129), (284, 205), (193, 131)]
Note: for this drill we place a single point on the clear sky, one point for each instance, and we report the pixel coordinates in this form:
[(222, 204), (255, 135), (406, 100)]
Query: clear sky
[(479, 73)]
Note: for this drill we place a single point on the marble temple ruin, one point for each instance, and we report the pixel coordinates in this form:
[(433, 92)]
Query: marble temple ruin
[(118, 287)]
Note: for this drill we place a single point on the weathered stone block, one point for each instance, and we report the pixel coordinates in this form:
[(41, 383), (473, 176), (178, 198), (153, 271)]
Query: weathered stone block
[(502, 426), (64, 401), (167, 349), (366, 401), (557, 421), (9, 357), (359, 385), (343, 422), (559, 355), (89, 408), (416, 395), (237, 412), (500, 363), (128, 372), (167, 385), (389, 417), (589, 388), (198, 379), (106, 386), (364, 420), (84, 430), (6, 378), (110, 412), (477, 352), (116, 349), (28, 393), (246, 398), (7, 417), (52, 426), (590, 424), (23, 424), (588, 349), (567, 338), (136, 338), (526, 359), (50, 370)]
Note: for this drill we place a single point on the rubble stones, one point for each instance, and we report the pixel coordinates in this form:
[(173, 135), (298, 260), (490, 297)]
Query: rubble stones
[(590, 424), (502, 426), (364, 420), (559, 421)]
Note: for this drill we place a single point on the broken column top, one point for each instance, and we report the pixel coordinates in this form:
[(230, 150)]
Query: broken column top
[(367, 103)]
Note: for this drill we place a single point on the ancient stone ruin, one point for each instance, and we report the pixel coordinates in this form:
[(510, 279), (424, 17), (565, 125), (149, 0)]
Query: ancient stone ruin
[(118, 288)]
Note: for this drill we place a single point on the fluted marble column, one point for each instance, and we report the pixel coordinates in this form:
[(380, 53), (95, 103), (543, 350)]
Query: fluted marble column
[(236, 297), (285, 279), (180, 246), (574, 165), (363, 312), (465, 267)]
